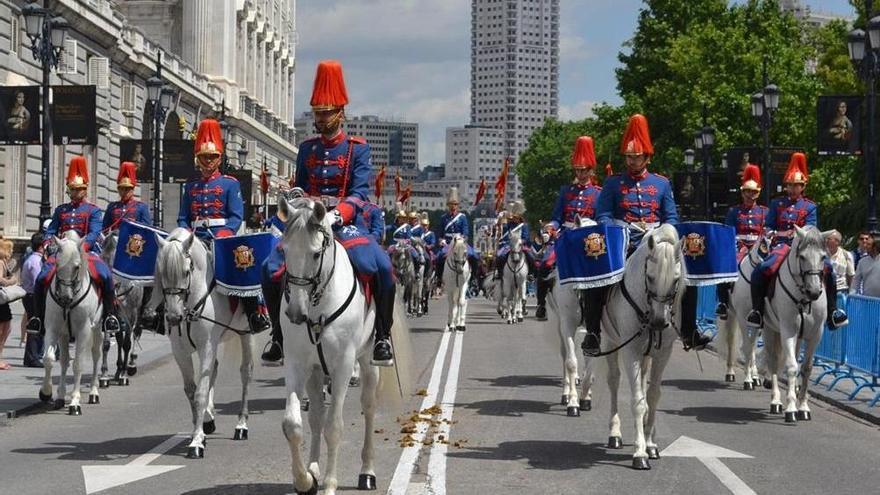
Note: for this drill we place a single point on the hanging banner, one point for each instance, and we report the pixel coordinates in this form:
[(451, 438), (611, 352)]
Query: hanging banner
[(178, 160), (839, 125), (74, 120), (139, 152), (19, 115)]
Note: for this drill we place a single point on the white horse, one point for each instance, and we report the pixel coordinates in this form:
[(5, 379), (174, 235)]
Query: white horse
[(795, 314), (73, 309), (735, 339), (196, 320), (418, 282), (637, 328), (128, 298), (456, 277), (322, 291), (405, 272), (513, 280), (566, 303)]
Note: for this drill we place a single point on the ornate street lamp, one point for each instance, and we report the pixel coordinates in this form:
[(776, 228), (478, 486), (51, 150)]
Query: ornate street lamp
[(764, 106), (160, 97)]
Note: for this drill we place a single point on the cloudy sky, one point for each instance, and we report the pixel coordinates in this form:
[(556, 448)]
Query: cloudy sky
[(410, 59)]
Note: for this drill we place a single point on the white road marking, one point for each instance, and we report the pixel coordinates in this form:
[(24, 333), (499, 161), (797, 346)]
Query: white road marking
[(99, 478), (437, 463), (710, 456), (403, 473)]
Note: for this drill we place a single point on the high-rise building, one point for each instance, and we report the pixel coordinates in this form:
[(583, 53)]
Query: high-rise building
[(810, 17), (392, 143), (514, 67)]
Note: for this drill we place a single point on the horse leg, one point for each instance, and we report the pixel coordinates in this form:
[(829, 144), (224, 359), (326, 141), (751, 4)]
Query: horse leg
[(333, 428), (586, 401), (317, 416), (789, 351), (730, 334), (104, 350), (803, 413), (771, 356), (183, 357), (369, 386), (247, 374), (450, 322), (747, 349), (209, 404), (65, 363), (97, 344), (81, 345), (292, 426), (639, 407), (653, 394), (207, 355), (49, 357), (462, 311), (615, 439), (572, 408)]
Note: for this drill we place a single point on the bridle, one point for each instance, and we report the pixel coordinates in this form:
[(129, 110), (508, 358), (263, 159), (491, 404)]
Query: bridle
[(317, 282), (454, 263), (181, 291), (800, 281), (76, 288)]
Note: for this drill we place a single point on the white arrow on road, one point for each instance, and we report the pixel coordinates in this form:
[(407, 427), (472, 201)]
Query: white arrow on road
[(98, 478), (710, 456)]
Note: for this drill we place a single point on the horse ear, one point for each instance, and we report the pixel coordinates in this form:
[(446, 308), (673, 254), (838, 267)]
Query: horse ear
[(319, 212), (284, 208), (161, 240), (800, 231), (188, 242), (56, 239), (679, 246)]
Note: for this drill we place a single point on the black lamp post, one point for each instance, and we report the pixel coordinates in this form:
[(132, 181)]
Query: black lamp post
[(47, 34), (864, 51), (160, 97), (242, 156), (704, 139), (689, 159), (764, 106)]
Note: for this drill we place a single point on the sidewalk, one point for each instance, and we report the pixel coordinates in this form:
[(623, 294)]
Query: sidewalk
[(19, 385)]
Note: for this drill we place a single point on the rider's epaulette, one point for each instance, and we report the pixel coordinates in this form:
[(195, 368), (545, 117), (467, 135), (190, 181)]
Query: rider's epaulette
[(357, 139), (229, 177), (661, 176), (316, 137), (808, 200)]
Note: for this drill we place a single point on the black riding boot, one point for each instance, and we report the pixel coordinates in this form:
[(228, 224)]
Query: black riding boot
[(272, 295), (690, 335), (111, 321), (723, 293), (383, 355), (755, 318), (258, 322), (499, 267), (592, 305), (35, 323), (438, 270), (836, 316), (543, 287)]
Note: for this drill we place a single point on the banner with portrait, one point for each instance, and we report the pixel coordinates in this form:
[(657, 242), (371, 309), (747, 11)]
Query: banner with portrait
[(74, 120), (178, 160), (839, 121), (688, 190), (19, 115), (140, 152)]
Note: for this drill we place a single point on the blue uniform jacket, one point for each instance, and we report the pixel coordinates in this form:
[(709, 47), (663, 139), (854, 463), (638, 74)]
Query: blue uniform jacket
[(646, 199), (455, 224), (339, 167), (82, 217), (368, 218), (132, 210), (211, 205), (430, 240), (401, 232), (748, 222), (505, 236), (576, 200), (784, 214)]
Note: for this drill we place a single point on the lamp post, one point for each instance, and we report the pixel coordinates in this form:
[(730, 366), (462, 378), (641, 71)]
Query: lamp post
[(160, 97), (242, 156), (864, 52), (47, 34), (704, 139), (689, 159), (764, 106)]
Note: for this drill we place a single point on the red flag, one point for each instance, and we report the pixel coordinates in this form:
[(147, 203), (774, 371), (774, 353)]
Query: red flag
[(397, 184), (264, 181), (480, 192), (380, 184), (405, 194), (501, 185)]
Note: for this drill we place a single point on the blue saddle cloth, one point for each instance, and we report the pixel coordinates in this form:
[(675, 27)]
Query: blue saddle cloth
[(237, 262), (136, 252), (592, 256), (709, 251)]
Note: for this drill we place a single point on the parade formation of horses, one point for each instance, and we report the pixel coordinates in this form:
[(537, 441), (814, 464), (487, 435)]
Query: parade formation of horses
[(73, 310), (513, 282), (196, 319), (327, 328), (456, 278), (128, 297)]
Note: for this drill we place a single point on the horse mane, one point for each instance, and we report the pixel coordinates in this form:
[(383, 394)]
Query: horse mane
[(173, 261)]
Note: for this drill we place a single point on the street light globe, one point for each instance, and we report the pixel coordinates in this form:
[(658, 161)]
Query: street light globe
[(33, 19), (758, 105), (771, 97), (689, 157), (708, 136), (59, 31), (698, 139), (874, 32), (154, 87), (166, 97), (855, 41)]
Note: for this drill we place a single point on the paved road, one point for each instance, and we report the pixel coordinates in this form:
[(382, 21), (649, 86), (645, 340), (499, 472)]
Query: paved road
[(508, 432)]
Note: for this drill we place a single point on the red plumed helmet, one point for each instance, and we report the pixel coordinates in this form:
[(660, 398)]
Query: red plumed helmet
[(127, 175), (209, 139), (329, 91), (637, 138), (797, 169), (584, 155), (78, 173), (751, 179)]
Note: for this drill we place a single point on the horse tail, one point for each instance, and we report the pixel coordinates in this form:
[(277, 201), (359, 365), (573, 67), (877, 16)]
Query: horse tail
[(395, 382)]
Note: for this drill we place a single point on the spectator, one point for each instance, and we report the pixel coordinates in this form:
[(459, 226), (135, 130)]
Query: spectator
[(30, 268), (841, 260), (864, 247), (867, 278), (6, 279)]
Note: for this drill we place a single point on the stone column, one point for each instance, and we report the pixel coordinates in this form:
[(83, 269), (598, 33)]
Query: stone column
[(196, 20)]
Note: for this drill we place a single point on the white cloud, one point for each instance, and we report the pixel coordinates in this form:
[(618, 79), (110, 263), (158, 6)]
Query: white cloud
[(576, 111)]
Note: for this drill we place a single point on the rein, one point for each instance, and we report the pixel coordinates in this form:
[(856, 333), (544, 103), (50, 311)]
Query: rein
[(804, 305), (76, 284)]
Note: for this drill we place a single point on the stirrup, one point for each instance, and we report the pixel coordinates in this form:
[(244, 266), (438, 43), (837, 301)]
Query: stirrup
[(259, 323), (837, 319), (273, 352), (111, 324), (33, 326), (755, 320), (721, 311), (382, 353), (592, 345)]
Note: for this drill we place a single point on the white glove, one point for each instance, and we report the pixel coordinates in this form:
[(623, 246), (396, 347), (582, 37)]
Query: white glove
[(442, 242), (545, 237), (335, 217)]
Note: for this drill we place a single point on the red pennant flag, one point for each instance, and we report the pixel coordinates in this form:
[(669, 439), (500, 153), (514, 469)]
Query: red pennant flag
[(264, 181), (501, 185), (397, 184), (405, 194), (380, 184), (480, 192)]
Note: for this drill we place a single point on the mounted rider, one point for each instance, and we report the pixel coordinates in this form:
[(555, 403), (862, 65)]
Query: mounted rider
[(748, 218), (785, 214), (428, 236), (516, 221), (127, 208), (85, 219), (578, 199), (336, 168), (454, 222), (403, 234), (643, 199), (545, 252)]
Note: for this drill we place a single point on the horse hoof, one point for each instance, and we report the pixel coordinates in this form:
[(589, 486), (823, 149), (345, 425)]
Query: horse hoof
[(59, 404), (757, 382), (124, 381), (94, 399), (103, 382), (366, 482), (304, 405), (240, 434), (209, 427), (311, 491), (790, 417), (653, 453), (131, 370), (768, 385), (730, 378), (615, 443), (775, 408), (44, 397), (520, 319), (74, 411), (586, 404), (804, 416), (354, 382), (195, 453), (563, 400), (748, 386), (641, 464), (573, 412)]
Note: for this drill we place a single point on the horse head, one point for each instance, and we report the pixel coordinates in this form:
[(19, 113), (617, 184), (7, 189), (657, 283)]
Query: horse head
[(307, 235), (809, 252), (180, 261), (72, 269), (458, 250), (663, 273)]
